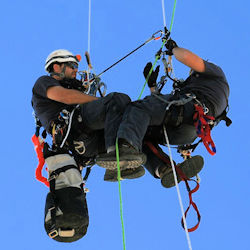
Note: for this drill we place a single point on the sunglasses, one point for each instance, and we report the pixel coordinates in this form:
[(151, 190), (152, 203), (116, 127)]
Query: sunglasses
[(72, 65)]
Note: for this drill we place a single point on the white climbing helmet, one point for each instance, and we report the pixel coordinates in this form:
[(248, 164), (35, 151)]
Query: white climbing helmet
[(61, 56)]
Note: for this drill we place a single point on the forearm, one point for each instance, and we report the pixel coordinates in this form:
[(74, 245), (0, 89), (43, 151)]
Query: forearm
[(189, 59), (68, 96), (77, 97)]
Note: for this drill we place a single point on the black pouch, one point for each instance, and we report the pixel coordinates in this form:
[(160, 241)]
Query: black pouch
[(66, 214)]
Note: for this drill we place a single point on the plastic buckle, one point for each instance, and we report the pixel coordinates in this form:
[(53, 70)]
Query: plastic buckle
[(53, 234), (52, 177)]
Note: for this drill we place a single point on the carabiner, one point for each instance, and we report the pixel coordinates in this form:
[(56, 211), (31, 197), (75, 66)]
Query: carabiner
[(158, 37)]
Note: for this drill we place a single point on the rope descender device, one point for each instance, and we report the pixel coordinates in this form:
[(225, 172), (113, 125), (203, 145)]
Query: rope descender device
[(91, 81)]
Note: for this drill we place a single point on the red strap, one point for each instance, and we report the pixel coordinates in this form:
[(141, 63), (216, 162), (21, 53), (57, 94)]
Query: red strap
[(39, 151), (184, 178), (158, 154), (191, 203), (203, 129)]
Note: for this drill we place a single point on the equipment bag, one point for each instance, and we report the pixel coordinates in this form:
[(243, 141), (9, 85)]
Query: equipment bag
[(66, 213)]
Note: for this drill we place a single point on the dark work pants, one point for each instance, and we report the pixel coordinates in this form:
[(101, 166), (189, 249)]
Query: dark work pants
[(151, 111), (105, 113)]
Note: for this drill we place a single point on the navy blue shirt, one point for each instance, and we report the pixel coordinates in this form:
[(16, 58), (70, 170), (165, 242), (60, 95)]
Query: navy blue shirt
[(211, 84), (46, 109)]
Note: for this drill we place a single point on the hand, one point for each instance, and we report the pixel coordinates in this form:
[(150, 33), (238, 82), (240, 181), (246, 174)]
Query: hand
[(170, 45), (153, 77)]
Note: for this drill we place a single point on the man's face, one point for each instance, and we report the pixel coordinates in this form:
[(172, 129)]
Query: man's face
[(70, 70)]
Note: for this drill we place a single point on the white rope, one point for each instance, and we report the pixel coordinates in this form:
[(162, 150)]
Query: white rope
[(89, 26), (163, 13), (69, 126), (177, 188), (88, 71)]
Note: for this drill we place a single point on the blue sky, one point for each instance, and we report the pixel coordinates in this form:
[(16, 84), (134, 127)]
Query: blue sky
[(215, 30)]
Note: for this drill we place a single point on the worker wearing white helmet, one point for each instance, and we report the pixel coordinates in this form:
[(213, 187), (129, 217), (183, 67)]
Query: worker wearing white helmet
[(56, 98), (61, 56)]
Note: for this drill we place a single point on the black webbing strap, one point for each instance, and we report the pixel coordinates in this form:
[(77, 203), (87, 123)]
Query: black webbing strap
[(88, 170), (52, 184)]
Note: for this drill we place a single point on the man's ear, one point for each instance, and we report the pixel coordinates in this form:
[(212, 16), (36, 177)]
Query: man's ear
[(57, 68)]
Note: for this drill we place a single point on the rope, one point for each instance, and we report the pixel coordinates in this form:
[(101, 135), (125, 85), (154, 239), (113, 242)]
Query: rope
[(170, 154), (163, 13), (163, 43), (120, 193), (172, 18), (117, 149), (89, 26), (69, 127), (177, 189), (146, 42), (156, 59)]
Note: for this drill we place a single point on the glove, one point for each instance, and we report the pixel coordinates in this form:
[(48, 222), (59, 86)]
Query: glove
[(153, 77), (170, 45)]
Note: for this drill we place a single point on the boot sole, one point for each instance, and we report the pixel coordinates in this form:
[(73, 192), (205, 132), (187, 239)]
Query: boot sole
[(125, 174), (125, 162), (190, 168)]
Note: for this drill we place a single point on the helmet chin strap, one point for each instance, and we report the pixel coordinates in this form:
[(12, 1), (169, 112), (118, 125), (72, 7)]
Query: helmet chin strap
[(62, 74)]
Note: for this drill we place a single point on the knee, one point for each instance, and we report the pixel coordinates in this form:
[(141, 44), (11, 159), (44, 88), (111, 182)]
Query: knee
[(120, 101)]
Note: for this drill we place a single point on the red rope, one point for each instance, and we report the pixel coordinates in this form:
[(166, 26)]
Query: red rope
[(39, 151)]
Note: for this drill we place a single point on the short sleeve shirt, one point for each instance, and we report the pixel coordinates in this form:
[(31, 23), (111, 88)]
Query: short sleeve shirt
[(46, 109), (211, 85)]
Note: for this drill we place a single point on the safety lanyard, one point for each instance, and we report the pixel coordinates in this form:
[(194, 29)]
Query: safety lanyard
[(203, 130)]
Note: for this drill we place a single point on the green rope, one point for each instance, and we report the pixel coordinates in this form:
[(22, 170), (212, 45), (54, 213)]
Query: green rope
[(120, 192), (116, 145), (172, 18), (157, 57)]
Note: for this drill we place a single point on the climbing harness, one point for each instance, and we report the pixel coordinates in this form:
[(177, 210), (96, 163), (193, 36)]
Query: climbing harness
[(202, 121), (39, 148)]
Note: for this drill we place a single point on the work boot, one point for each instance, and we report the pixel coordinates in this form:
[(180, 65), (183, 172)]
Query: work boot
[(129, 157), (189, 167), (130, 173)]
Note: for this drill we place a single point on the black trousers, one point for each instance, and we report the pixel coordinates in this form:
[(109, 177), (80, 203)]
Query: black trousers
[(151, 111), (105, 114), (143, 120)]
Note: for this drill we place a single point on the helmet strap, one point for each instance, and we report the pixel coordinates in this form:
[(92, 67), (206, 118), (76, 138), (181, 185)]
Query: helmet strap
[(62, 74)]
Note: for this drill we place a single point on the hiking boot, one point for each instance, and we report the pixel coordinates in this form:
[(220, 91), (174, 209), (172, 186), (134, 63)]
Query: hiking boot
[(130, 173), (129, 157), (189, 167)]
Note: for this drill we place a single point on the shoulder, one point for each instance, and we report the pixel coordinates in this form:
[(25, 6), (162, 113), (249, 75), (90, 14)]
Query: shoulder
[(43, 83), (213, 70), (46, 79)]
